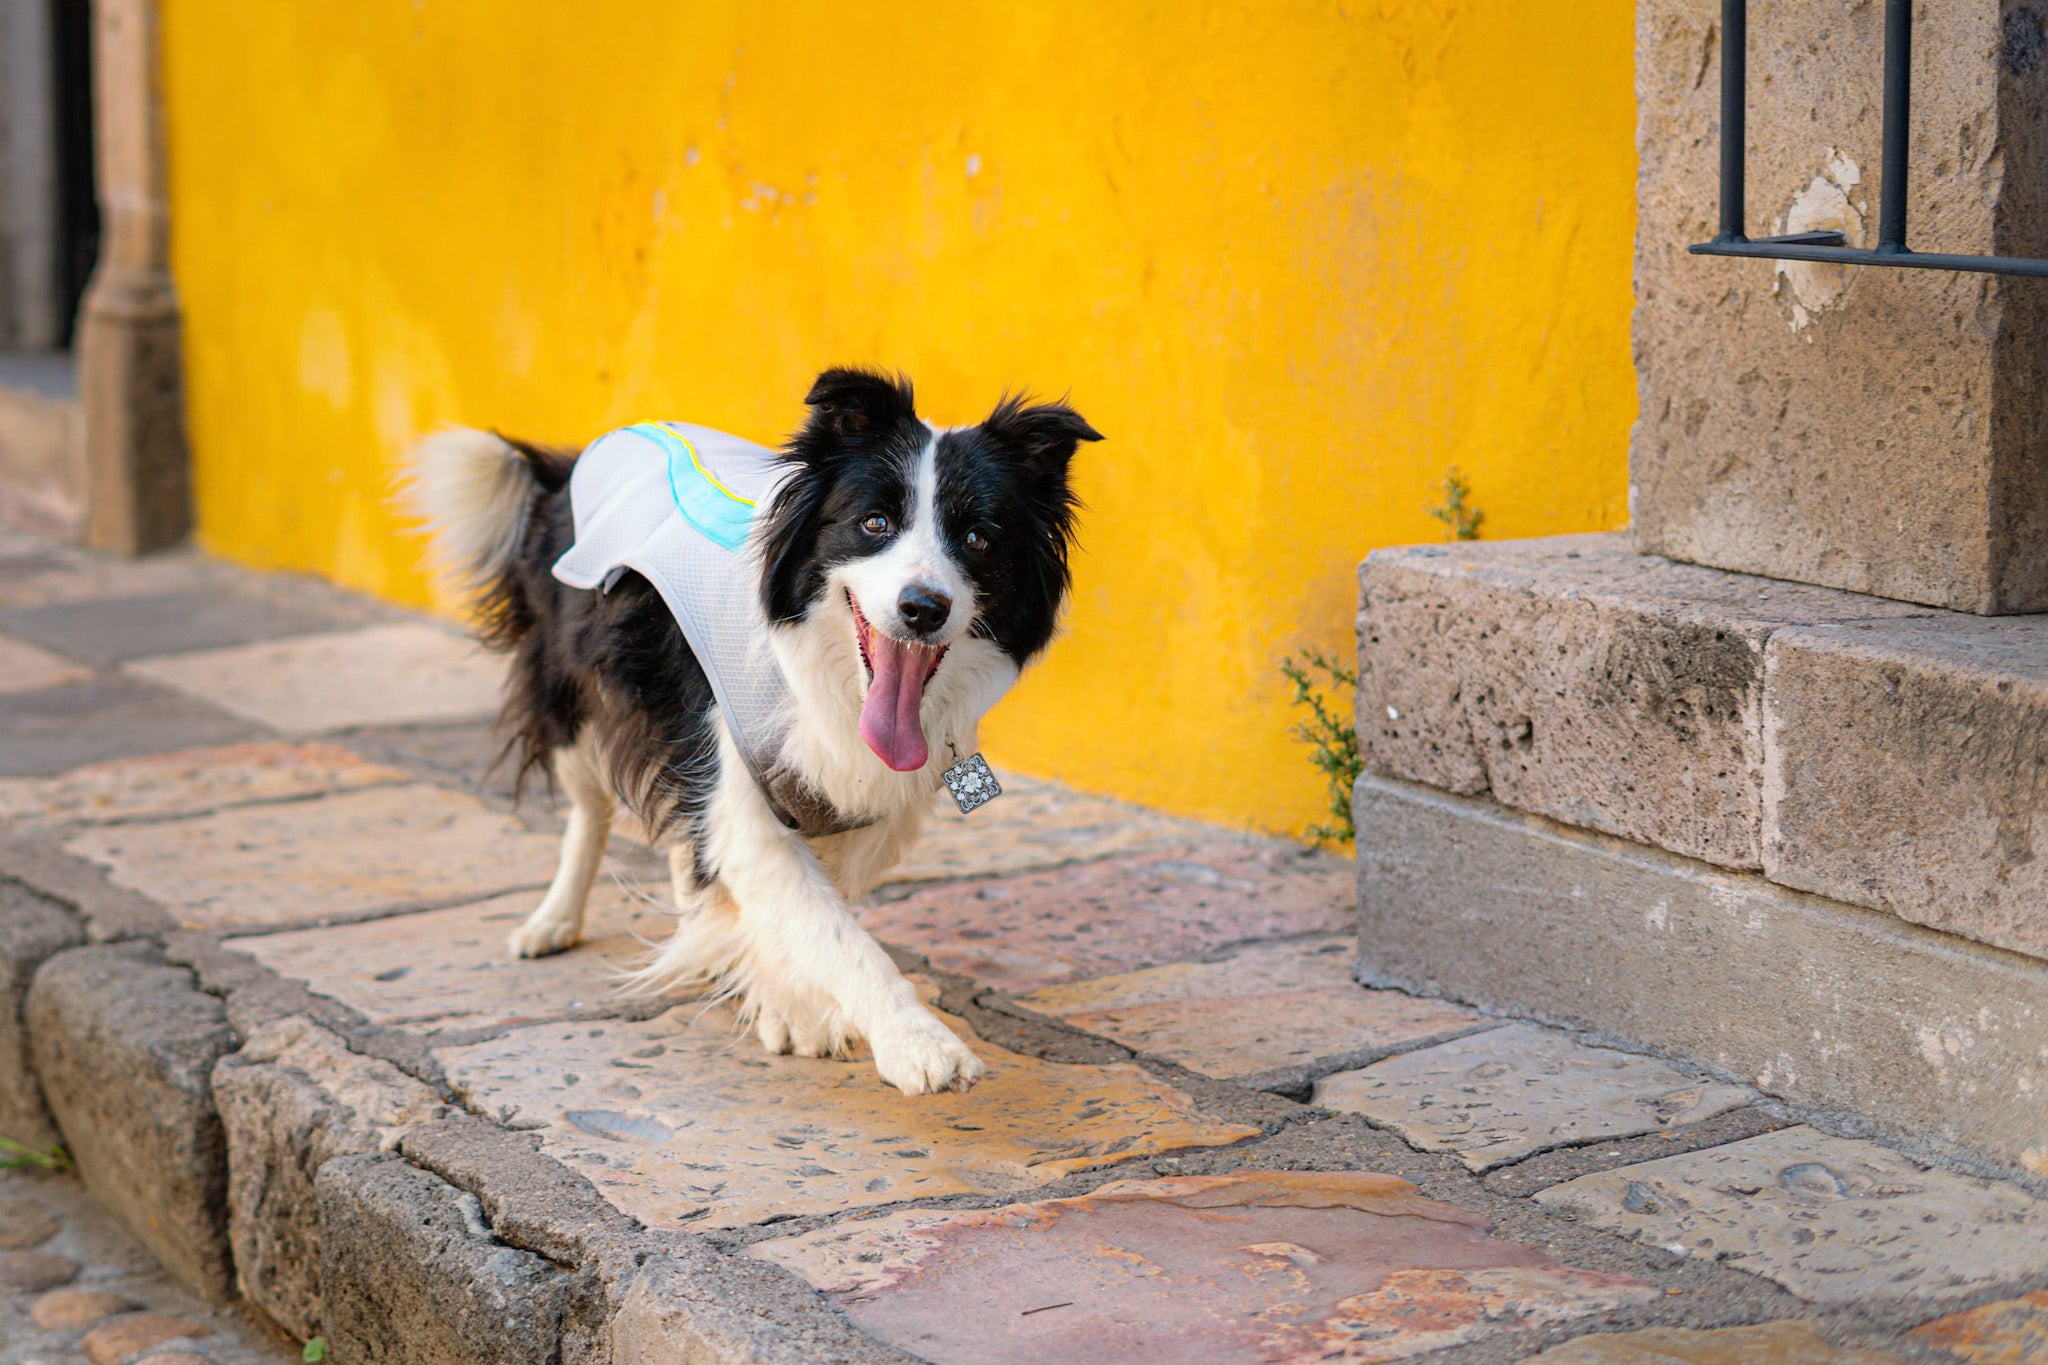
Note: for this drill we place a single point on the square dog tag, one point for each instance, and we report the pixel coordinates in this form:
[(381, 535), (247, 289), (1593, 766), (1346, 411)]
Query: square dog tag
[(972, 783)]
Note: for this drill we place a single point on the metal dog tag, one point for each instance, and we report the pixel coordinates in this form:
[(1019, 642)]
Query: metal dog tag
[(972, 783)]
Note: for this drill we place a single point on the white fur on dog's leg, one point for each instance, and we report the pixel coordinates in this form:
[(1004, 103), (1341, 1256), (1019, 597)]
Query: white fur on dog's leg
[(773, 1033), (803, 945), (558, 923), (919, 1055)]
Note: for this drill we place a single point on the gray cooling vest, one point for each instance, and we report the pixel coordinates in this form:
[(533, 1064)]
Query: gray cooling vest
[(674, 503)]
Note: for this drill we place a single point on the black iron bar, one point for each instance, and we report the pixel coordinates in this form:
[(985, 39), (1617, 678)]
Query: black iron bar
[(1734, 112), (1898, 85), (1891, 249)]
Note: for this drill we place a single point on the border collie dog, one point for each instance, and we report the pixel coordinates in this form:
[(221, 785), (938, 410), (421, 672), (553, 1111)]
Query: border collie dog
[(770, 658)]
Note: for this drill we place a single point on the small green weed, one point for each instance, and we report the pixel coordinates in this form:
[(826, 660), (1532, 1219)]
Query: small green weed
[(1329, 733), (19, 1156), (316, 1350), (1456, 511)]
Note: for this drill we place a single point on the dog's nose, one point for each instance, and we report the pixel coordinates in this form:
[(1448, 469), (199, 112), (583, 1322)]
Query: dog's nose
[(923, 608)]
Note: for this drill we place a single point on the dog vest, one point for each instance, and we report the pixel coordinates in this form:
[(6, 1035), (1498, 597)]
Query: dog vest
[(674, 503)]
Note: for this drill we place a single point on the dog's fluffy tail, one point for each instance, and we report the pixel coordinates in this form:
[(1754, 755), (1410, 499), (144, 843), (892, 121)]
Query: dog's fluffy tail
[(474, 491)]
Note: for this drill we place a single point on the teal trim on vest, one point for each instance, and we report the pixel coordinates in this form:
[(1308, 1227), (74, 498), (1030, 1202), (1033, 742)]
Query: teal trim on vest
[(719, 514)]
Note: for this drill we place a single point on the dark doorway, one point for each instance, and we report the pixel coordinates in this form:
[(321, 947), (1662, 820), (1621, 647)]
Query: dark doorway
[(78, 210)]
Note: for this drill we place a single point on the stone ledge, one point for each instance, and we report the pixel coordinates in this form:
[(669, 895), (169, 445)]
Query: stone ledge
[(1807, 999), (1571, 677), (33, 929), (1892, 757), (124, 1047), (1906, 770)]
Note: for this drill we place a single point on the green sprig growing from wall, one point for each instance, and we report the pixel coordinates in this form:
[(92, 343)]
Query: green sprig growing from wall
[(1329, 733), (19, 1156), (1456, 511)]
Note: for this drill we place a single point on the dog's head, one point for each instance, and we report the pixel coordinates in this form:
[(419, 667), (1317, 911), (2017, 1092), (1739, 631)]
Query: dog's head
[(920, 539)]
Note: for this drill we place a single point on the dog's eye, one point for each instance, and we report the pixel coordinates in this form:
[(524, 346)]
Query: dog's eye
[(976, 540), (876, 525)]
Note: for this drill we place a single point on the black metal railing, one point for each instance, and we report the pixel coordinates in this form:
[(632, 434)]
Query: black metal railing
[(1891, 248)]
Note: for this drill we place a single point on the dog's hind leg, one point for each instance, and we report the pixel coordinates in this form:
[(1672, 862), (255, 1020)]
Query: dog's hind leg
[(558, 923)]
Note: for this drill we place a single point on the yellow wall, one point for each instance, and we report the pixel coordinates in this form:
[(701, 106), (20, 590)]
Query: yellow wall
[(1294, 260)]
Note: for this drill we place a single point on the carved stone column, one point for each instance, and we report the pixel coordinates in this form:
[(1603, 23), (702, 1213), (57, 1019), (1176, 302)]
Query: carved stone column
[(131, 371)]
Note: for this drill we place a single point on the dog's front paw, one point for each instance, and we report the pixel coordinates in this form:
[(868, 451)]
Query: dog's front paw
[(540, 937), (920, 1056)]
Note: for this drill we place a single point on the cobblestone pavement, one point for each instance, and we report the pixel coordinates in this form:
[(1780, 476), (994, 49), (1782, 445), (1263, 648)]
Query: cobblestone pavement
[(75, 1286), (1199, 1139)]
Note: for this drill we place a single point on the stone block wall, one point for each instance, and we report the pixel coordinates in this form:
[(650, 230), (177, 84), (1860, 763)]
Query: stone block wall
[(1875, 429)]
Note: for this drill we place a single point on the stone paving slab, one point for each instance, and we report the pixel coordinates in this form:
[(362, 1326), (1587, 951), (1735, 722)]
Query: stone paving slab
[(1037, 824), (331, 858), (96, 1279), (111, 629), (1264, 1007), (1510, 1092), (2005, 1332), (380, 675), (1260, 1265), (26, 668), (102, 718), (188, 782), (450, 969), (683, 1120), (1118, 914), (1835, 1220), (1788, 1342)]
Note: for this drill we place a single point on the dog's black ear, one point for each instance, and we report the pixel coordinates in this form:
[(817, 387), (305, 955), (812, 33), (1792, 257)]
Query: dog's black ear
[(849, 402), (1041, 436)]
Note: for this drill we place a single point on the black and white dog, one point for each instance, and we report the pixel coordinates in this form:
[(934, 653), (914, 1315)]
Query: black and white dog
[(905, 573)]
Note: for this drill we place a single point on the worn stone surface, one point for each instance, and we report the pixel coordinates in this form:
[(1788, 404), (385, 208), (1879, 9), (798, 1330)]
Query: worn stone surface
[(1776, 436), (110, 629), (2004, 1332), (33, 1271), (1270, 1266), (125, 1337), (1265, 1008), (450, 969), (292, 1099), (1117, 914), (1510, 1092), (411, 1275), (1933, 1034), (124, 1047), (25, 1223), (25, 668), (1787, 1342), (67, 1310), (111, 1275), (1038, 824), (104, 717), (342, 857), (1835, 1220), (187, 783), (379, 675), (1570, 677), (681, 1120), (32, 930), (1907, 771)]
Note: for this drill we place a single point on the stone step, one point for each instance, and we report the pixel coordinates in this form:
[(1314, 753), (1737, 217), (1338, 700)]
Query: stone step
[(1810, 1000), (1888, 756)]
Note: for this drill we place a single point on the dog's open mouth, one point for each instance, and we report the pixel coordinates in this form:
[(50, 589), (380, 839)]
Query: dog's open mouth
[(897, 673)]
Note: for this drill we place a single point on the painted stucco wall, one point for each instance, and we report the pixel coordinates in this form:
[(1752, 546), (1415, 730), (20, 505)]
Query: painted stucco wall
[(1295, 260)]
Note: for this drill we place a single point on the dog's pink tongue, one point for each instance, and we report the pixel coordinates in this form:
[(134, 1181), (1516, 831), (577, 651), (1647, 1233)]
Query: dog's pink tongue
[(888, 719)]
